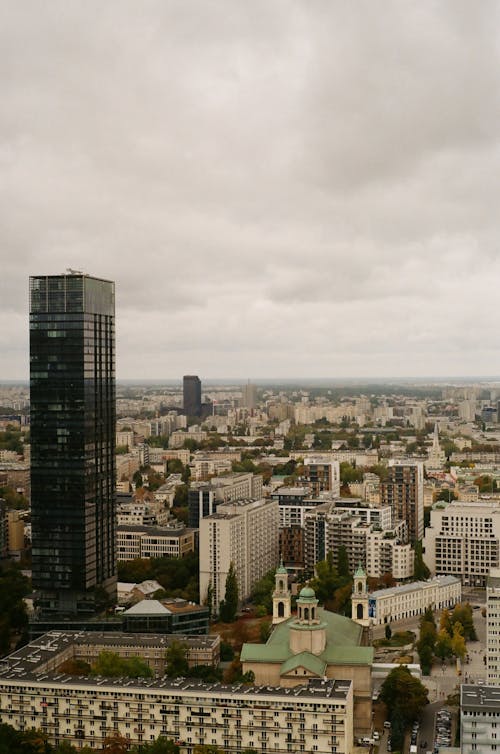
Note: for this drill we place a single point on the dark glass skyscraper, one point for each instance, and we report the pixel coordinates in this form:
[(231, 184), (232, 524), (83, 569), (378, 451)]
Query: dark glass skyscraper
[(72, 381), (192, 395)]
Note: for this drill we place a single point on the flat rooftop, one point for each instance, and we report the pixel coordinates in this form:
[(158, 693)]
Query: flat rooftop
[(480, 698)]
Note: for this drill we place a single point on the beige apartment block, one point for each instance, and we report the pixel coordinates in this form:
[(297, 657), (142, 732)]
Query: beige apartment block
[(242, 532)]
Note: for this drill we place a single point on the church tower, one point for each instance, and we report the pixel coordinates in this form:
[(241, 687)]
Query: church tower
[(359, 598), (282, 599)]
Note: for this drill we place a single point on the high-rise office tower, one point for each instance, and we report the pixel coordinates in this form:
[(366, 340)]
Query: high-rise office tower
[(403, 490), (72, 382), (192, 395), (249, 396)]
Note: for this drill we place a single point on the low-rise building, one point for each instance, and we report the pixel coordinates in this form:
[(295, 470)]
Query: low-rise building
[(408, 600), (154, 542)]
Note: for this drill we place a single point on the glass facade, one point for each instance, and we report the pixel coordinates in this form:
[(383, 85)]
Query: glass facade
[(72, 383)]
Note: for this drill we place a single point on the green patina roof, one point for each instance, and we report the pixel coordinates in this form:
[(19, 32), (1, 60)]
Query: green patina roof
[(360, 573), (281, 568), (304, 660), (343, 639), (306, 593)]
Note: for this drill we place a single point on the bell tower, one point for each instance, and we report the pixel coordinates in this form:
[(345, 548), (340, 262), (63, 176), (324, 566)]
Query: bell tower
[(282, 599), (359, 599)]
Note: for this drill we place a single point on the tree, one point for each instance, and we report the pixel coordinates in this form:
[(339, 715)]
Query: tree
[(420, 570), (262, 592), (388, 631), (443, 648), (115, 744), (458, 642), (463, 614), (343, 562), (445, 623), (111, 665), (162, 745), (137, 479), (405, 698), (229, 605), (176, 657)]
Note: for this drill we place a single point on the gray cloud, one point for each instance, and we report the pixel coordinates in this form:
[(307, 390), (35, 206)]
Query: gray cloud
[(279, 188)]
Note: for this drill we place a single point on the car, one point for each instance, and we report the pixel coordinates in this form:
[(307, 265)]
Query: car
[(387, 723)]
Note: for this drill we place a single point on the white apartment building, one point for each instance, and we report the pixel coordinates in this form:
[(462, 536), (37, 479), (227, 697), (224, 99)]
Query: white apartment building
[(202, 468), (242, 532), (138, 513), (315, 717), (389, 555), (493, 627), (463, 540), (480, 719), (153, 542), (402, 602)]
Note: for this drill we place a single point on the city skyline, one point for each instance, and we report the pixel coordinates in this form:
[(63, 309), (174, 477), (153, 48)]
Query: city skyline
[(276, 189)]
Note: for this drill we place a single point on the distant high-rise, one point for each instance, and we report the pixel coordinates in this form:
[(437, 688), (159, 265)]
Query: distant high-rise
[(72, 382), (249, 396), (192, 395)]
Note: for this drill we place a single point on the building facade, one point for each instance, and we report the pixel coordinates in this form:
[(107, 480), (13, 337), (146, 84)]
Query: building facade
[(154, 542), (403, 490), (402, 602), (316, 716), (493, 627), (463, 539), (244, 533), (72, 384), (479, 719)]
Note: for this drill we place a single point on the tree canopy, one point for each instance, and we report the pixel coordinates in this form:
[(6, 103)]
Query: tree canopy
[(405, 698)]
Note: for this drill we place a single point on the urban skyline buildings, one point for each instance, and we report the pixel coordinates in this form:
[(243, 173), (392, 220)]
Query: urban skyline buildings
[(72, 386)]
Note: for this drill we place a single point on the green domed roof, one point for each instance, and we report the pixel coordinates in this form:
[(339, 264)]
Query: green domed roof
[(306, 593), (360, 573)]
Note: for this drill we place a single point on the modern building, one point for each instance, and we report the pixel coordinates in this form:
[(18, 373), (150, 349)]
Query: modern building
[(493, 627), (191, 386), (154, 541), (463, 539), (72, 383), (170, 616), (479, 719), (249, 396), (403, 490), (244, 533), (408, 600), (315, 716), (313, 644)]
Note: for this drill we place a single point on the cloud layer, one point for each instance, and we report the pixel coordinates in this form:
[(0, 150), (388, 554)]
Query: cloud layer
[(277, 188)]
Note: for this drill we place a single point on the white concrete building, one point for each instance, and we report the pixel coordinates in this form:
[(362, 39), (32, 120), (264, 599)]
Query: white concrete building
[(480, 719), (322, 474), (401, 602), (493, 627), (314, 717), (242, 532), (463, 540)]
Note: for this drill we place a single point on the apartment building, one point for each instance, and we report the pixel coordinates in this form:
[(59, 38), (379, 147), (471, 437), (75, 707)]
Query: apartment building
[(314, 717), (408, 600), (154, 542), (322, 474), (479, 719), (463, 539), (242, 532), (493, 627), (403, 490), (204, 497)]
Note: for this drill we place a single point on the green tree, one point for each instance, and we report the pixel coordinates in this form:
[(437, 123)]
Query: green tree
[(111, 665), (463, 614), (420, 570), (343, 562), (176, 657), (445, 622), (405, 698), (162, 745), (137, 479), (388, 631), (229, 605), (262, 592)]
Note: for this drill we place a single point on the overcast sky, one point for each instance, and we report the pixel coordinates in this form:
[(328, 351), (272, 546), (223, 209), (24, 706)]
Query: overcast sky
[(278, 188)]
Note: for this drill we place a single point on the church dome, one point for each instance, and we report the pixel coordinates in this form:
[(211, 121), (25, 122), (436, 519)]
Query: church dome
[(306, 593)]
